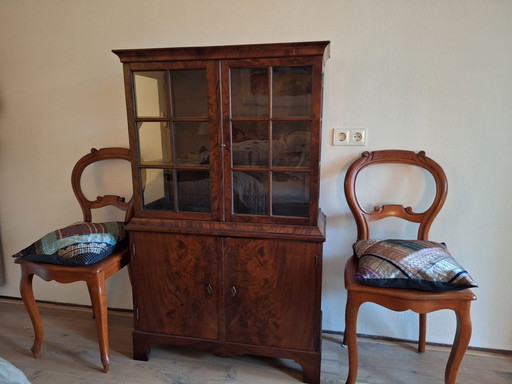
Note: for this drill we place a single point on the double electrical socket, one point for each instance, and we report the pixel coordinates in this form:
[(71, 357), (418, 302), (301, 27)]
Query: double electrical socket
[(355, 136)]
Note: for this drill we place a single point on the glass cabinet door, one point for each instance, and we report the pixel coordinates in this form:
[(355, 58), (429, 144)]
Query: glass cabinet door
[(173, 138), (270, 126)]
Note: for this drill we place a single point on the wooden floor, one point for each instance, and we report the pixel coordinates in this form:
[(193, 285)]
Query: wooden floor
[(70, 355)]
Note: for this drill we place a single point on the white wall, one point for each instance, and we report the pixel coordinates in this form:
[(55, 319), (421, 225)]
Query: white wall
[(418, 74)]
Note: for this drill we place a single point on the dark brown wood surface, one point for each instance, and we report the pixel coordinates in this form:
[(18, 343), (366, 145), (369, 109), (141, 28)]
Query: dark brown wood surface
[(177, 283), (315, 48), (268, 295)]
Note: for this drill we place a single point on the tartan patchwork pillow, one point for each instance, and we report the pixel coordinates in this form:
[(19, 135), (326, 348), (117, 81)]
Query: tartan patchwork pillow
[(81, 243), (411, 264)]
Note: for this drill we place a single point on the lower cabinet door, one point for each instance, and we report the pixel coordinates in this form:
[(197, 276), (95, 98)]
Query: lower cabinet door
[(271, 293), (176, 284)]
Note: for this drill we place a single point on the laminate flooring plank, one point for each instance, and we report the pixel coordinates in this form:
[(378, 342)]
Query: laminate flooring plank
[(70, 355)]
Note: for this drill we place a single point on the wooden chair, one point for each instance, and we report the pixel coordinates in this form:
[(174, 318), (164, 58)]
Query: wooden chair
[(421, 302), (94, 274)]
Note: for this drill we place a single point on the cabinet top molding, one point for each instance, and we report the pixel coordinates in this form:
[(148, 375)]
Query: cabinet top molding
[(226, 52)]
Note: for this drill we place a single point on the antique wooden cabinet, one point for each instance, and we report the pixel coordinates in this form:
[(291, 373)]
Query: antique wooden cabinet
[(227, 233)]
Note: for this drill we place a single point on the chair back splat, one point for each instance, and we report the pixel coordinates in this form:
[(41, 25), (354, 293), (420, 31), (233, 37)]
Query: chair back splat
[(424, 219), (101, 201)]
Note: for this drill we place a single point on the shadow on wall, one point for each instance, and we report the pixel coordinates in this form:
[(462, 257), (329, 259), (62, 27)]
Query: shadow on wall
[(2, 280)]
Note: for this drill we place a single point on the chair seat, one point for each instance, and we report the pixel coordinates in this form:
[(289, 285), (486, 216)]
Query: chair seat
[(67, 274), (353, 285)]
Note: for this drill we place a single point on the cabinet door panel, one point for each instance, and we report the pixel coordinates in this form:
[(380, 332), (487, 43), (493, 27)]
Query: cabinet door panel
[(176, 284), (271, 119), (271, 293)]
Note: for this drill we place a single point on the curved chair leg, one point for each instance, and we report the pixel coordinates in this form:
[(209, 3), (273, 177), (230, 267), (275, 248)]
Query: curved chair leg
[(350, 337), (27, 295), (98, 295), (423, 333), (460, 343)]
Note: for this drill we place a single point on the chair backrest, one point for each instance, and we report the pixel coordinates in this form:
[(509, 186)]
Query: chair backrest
[(105, 200), (424, 219)]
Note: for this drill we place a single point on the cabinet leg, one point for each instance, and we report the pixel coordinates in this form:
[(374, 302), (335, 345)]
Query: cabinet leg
[(141, 348), (311, 369)]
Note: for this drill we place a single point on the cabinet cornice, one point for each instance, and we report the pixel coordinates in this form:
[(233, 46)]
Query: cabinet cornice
[(225, 52)]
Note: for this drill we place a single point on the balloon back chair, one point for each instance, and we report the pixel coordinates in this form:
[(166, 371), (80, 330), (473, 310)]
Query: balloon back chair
[(371, 284), (95, 273)]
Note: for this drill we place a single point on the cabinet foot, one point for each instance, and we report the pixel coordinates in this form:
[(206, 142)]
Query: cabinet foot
[(311, 369), (141, 348)]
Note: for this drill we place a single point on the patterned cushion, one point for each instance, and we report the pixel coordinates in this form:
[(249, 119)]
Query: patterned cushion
[(411, 264), (77, 244)]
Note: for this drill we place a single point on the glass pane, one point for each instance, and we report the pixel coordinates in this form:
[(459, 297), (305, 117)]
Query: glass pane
[(291, 91), (192, 143), (157, 189), (155, 143), (189, 93), (291, 143), (250, 144), (290, 194), (250, 193), (194, 191), (249, 92), (151, 94)]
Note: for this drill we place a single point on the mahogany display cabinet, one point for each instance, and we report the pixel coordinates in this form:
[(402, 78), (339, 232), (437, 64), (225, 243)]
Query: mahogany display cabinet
[(227, 233)]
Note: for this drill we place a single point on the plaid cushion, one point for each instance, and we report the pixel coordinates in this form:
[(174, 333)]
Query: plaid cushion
[(81, 243), (411, 264)]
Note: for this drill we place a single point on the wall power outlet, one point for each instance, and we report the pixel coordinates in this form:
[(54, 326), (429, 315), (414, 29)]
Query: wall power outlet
[(354, 136)]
